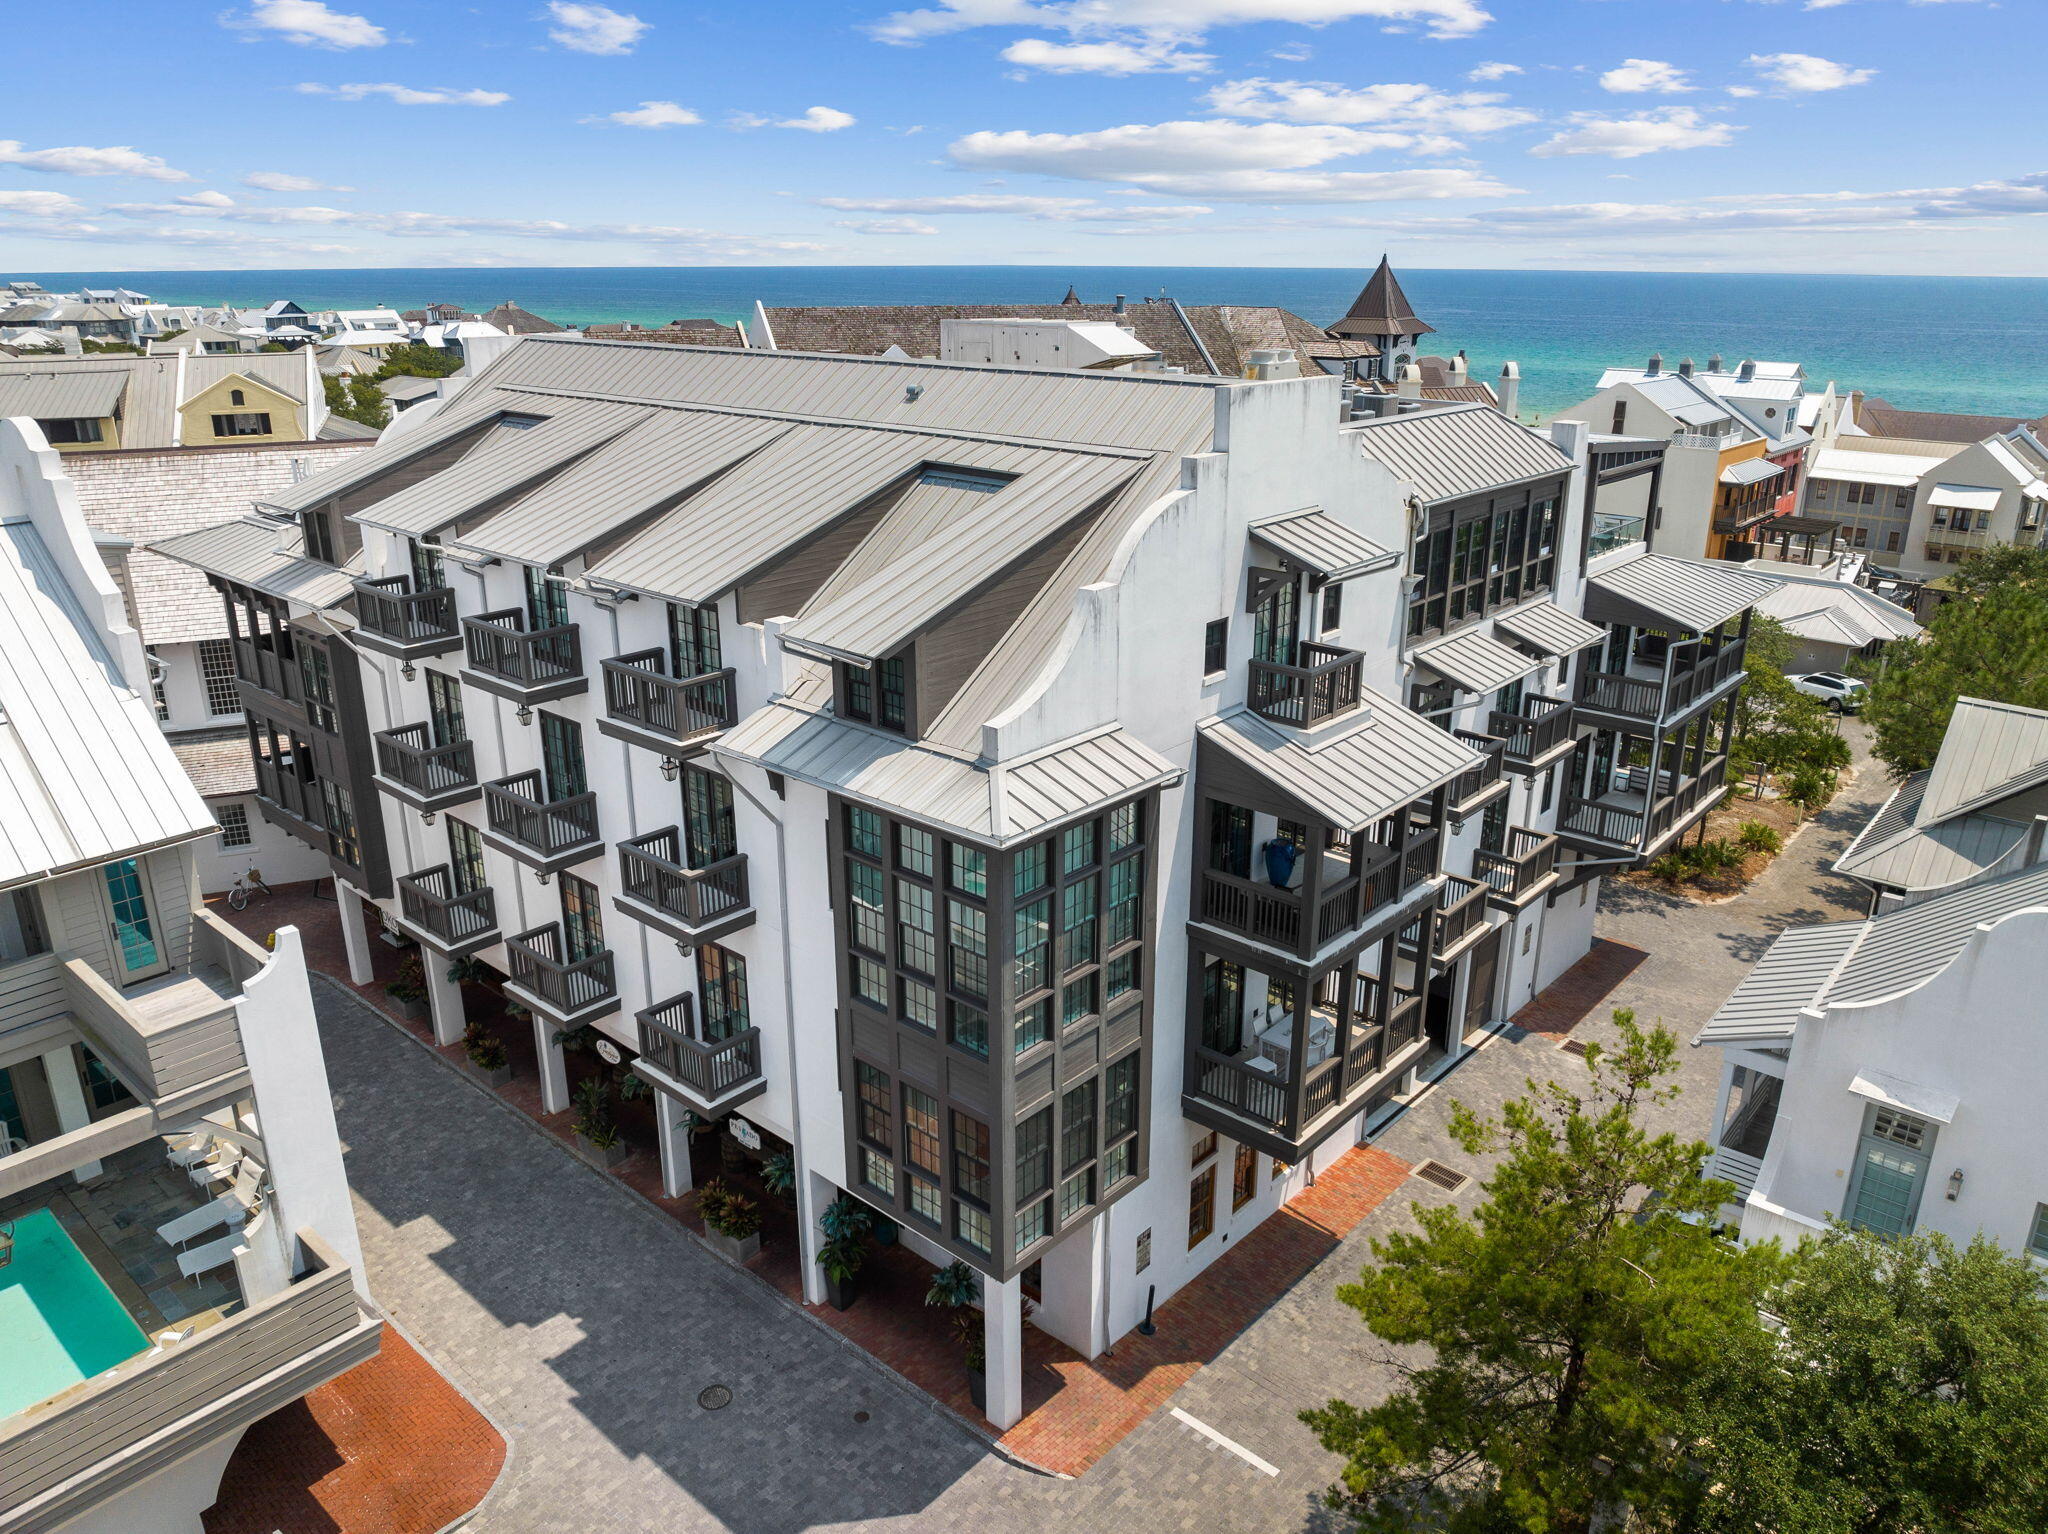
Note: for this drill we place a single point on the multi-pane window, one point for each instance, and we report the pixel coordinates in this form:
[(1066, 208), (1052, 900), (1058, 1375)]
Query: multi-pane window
[(1473, 558), (340, 807), (317, 536), (1203, 1149), (967, 1027), (864, 902), (1120, 976), (233, 820), (1077, 847), (1033, 940), (1077, 925), (1333, 609), (1125, 878), (868, 979), (1244, 1177), (465, 857), (857, 692), (967, 869), (582, 919), (1076, 1193), (1029, 867), (1077, 1126), (1215, 646), (693, 644), (917, 1004), (970, 1158), (926, 1202), (722, 987), (878, 1172), (877, 1115), (429, 571), (1034, 1223), (891, 694), (444, 709), (547, 599), (316, 677), (561, 757), (1033, 1025), (1201, 1207), (917, 940), (1120, 1099), (1077, 999), (921, 1130), (1126, 826), (1034, 1155), (914, 851), (971, 1227), (217, 671), (710, 834), (863, 831), (967, 947)]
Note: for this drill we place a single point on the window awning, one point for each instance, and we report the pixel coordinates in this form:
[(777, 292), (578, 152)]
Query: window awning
[(1910, 1096), (1322, 545), (1688, 594), (1751, 471), (1968, 497), (1474, 663), (1547, 627)]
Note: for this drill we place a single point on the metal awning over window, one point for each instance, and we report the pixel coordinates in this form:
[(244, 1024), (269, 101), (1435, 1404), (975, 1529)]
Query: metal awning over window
[(1686, 594), (1322, 545), (1964, 497), (1547, 627), (1474, 663), (1910, 1096), (1751, 471)]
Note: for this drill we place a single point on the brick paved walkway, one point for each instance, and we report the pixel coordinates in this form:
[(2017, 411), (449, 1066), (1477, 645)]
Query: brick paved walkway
[(388, 1448), (1570, 999)]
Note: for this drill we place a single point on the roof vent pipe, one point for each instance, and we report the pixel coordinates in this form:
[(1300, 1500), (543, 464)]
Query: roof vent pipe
[(1121, 306), (1714, 363)]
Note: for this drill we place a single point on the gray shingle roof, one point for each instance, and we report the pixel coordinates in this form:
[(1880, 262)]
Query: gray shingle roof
[(217, 761), (1459, 451)]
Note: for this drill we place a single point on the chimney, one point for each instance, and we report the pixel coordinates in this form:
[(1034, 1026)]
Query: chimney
[(1510, 390), (1120, 305), (1459, 368), (1409, 384), (1656, 364), (1278, 362), (1685, 368), (1747, 372), (1714, 363)]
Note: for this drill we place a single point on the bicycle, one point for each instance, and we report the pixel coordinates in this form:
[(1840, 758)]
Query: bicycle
[(244, 886)]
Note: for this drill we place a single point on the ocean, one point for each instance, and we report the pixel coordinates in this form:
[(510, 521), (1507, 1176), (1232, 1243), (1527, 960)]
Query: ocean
[(1976, 344)]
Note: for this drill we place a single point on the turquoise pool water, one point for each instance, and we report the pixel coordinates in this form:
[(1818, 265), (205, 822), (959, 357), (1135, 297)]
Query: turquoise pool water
[(59, 1323)]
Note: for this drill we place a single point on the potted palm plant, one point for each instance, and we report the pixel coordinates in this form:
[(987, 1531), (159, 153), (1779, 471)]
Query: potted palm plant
[(954, 1289), (486, 1053), (597, 1132), (732, 1221), (845, 1222)]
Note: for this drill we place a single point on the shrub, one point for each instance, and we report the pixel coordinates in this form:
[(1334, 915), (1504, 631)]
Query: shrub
[(729, 1213), (778, 1174), (594, 1119), (845, 1219), (1755, 836), (1717, 856), (486, 1051), (841, 1259), (468, 970), (411, 981), (1810, 788), (953, 1286)]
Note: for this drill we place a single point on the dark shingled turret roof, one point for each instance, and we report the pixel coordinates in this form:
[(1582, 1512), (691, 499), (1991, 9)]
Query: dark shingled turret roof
[(515, 321), (1381, 309)]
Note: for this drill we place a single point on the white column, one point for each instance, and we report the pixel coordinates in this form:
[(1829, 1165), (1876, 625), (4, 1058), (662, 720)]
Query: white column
[(355, 933), (813, 1193), (672, 1129), (60, 1069), (554, 1067), (1002, 1321), (444, 998)]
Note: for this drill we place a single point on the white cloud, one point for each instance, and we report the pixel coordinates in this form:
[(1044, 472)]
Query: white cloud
[(1493, 70), (1058, 210), (1634, 77), (1803, 73), (208, 200), (1743, 92), (1626, 138), (284, 181), (651, 114), (1292, 53), (594, 28), (310, 24), (409, 96), (39, 204), (814, 120), (1182, 19), (1110, 57), (1418, 107), (887, 226), (81, 160)]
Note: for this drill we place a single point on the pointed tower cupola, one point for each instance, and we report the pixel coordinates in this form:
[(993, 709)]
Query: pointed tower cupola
[(1381, 314), (1072, 299)]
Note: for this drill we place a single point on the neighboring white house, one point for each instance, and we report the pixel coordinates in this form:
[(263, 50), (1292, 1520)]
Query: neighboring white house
[(1919, 505), (1831, 621), (164, 1106)]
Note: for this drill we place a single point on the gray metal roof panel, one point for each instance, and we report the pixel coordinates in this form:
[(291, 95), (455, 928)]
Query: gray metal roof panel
[(1475, 663), (1937, 856), (1789, 978), (1353, 778), (48, 394), (1694, 594), (1549, 628), (263, 555), (1459, 450), (1751, 471), (1907, 947), (1318, 542), (1988, 751), (467, 411)]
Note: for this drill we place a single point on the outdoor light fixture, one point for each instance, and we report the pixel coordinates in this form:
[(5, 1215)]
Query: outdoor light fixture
[(670, 767), (426, 817), (1955, 1184), (540, 876), (524, 714), (407, 670)]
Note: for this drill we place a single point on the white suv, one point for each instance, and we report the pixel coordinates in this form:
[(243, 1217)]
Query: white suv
[(1842, 694)]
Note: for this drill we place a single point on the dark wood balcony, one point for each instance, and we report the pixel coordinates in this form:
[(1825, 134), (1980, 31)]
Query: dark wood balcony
[(1325, 685), (1476, 787), (1523, 869), (1344, 899), (453, 922), (1456, 920), (645, 705), (712, 1076), (690, 904), (395, 619), (528, 666), (1644, 811), (544, 834), (1645, 695), (537, 966), (279, 788), (1535, 738), (269, 672), (417, 772)]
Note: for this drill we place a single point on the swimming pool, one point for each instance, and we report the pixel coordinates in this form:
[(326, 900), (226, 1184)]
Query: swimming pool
[(59, 1323)]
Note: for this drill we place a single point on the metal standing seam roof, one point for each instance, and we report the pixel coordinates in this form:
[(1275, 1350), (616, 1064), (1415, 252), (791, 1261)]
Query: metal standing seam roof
[(85, 772), (1789, 978), (466, 412), (1694, 594), (999, 805), (70, 394), (967, 538), (263, 555), (1321, 544), (1902, 950), (1837, 612), (1989, 751), (1751, 471), (1475, 663), (664, 455), (1857, 467), (1354, 779), (1549, 628), (1936, 856), (1968, 497), (1459, 450)]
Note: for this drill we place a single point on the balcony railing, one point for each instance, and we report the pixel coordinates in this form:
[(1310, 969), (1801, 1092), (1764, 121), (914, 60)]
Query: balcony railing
[(518, 812), (407, 620), (1244, 1089), (1326, 683), (1650, 698), (264, 668), (638, 692), (429, 901), (1520, 868), (712, 1069), (1632, 826), (538, 963), (1474, 782), (1280, 918), (289, 792), (1460, 911), (1528, 737), (408, 757), (499, 646), (652, 871)]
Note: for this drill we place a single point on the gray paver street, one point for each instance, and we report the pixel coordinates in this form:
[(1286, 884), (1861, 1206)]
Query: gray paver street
[(586, 1324)]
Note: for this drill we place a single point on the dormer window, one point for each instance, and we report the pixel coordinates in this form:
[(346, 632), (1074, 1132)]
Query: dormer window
[(877, 695), (319, 536)]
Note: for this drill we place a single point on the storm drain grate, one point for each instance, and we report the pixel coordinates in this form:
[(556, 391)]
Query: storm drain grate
[(712, 1397), (1450, 1179), (1573, 1047)]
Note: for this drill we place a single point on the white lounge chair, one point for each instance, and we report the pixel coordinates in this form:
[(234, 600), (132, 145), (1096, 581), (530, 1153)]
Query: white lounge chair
[(188, 1151), (221, 1169), (204, 1259), (228, 1209)]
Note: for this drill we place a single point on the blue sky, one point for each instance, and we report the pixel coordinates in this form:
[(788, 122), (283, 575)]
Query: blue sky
[(1712, 135)]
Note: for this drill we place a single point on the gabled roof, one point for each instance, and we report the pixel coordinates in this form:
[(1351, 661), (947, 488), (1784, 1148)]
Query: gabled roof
[(1836, 612), (1381, 309), (515, 321), (1459, 451), (1881, 419)]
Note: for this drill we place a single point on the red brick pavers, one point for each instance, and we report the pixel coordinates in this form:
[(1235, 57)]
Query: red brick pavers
[(1570, 999), (388, 1448)]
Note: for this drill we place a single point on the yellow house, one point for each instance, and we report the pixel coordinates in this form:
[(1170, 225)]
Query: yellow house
[(238, 408), (173, 399)]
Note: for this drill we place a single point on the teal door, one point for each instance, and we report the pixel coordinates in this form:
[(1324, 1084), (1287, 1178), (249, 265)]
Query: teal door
[(136, 947), (1891, 1170)]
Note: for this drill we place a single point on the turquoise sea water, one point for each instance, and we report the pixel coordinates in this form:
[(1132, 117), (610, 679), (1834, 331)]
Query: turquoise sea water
[(1931, 343), (59, 1323)]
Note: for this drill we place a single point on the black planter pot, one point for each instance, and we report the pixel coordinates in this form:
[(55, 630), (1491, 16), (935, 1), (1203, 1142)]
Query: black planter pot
[(977, 1389), (841, 1292)]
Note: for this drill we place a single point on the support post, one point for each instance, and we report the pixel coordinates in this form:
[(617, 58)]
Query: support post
[(60, 1070), (1002, 1320), (554, 1066), (672, 1130), (444, 998), (355, 933), (813, 1193)]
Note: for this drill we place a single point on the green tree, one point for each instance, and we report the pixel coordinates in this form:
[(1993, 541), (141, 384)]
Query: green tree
[(1564, 1323), (356, 399), (1779, 729), (1989, 639), (415, 359), (1907, 1395)]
